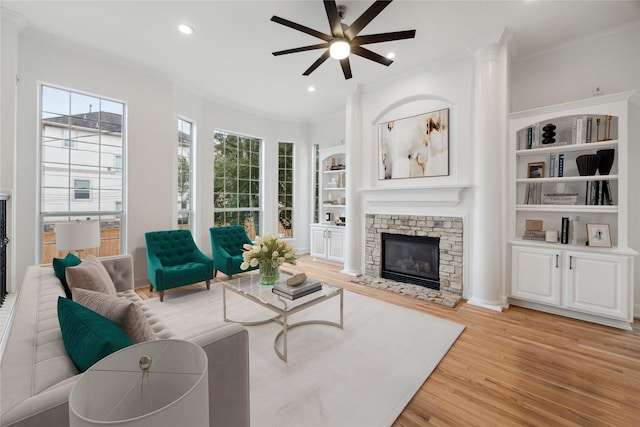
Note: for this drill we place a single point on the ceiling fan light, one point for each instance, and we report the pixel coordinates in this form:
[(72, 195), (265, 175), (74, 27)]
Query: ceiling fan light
[(340, 49)]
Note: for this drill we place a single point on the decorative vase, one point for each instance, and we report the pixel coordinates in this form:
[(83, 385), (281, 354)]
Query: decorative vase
[(605, 160), (269, 275), (587, 164)]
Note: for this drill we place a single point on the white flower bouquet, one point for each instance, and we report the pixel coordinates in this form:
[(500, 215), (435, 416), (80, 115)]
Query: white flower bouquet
[(267, 251)]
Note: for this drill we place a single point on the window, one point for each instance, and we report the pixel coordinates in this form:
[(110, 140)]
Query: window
[(185, 174), (236, 185), (81, 189), (118, 163), (285, 189), (316, 183), (81, 166)]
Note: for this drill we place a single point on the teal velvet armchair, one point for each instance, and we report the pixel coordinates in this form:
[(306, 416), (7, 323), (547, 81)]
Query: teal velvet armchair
[(226, 248), (174, 260)]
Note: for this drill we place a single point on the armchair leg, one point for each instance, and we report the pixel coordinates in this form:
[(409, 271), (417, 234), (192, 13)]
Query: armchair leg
[(161, 295), (208, 284), (214, 273), (230, 276), (150, 288)]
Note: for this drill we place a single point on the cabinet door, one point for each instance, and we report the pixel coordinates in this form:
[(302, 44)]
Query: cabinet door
[(536, 275), (598, 284), (335, 245), (318, 244)]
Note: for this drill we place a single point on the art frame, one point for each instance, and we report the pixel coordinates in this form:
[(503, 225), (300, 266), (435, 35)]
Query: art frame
[(414, 147), (535, 170), (598, 235)]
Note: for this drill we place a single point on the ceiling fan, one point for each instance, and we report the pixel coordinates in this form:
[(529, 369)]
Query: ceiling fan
[(344, 39)]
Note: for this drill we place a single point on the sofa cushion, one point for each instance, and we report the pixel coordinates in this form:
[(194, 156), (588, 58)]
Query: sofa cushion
[(90, 274), (126, 314), (88, 336), (59, 267)]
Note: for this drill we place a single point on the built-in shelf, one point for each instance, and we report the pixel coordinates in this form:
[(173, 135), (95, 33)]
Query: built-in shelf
[(601, 145), (568, 179), (569, 208)]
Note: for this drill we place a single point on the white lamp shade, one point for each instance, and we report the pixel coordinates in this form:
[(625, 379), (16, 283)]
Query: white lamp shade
[(77, 235), (113, 392)]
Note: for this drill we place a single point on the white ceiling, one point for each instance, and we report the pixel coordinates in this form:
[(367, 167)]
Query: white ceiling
[(229, 56)]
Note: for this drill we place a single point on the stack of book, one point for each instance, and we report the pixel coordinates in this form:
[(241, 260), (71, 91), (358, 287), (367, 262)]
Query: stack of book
[(560, 199), (533, 230), (533, 194), (293, 292)]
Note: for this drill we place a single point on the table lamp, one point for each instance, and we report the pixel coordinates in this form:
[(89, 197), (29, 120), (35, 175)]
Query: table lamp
[(77, 235), (152, 384)]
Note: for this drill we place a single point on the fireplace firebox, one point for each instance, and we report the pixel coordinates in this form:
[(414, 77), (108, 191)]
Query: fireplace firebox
[(411, 259)]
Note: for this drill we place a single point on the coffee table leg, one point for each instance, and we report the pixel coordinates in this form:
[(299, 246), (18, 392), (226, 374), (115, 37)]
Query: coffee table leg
[(284, 336), (224, 303)]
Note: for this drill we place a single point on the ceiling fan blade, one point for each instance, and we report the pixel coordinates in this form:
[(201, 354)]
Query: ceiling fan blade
[(346, 68), (301, 28), (334, 19), (316, 64), (383, 37), (365, 18), (301, 49), (366, 53)]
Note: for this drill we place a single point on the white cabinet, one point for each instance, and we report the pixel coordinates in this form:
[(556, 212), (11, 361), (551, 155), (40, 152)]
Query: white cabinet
[(327, 242), (569, 276), (536, 275), (598, 284), (580, 282)]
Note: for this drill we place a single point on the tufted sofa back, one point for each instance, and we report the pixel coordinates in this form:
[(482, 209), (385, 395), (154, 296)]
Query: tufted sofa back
[(230, 238), (171, 247)]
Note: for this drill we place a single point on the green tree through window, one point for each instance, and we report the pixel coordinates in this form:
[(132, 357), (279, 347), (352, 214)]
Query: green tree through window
[(236, 181)]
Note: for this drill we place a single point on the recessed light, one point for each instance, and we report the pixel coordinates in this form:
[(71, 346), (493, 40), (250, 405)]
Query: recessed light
[(185, 29), (391, 55), (311, 89)]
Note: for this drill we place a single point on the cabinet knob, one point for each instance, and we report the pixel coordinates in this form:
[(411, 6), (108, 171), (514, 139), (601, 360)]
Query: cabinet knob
[(557, 259), (570, 262)]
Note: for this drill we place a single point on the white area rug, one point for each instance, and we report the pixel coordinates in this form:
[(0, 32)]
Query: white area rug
[(363, 375)]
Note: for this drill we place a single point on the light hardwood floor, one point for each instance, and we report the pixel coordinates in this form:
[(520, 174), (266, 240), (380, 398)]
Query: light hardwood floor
[(518, 367)]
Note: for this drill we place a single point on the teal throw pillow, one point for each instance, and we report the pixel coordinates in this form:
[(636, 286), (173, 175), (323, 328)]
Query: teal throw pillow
[(59, 267), (88, 337)]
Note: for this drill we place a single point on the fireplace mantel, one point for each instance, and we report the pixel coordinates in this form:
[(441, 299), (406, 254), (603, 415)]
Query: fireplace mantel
[(438, 195)]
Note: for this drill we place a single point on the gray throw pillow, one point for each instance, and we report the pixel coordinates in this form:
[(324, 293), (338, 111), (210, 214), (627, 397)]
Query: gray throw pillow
[(128, 315), (91, 275)]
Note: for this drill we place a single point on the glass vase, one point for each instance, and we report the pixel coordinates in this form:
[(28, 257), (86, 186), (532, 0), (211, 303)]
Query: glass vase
[(269, 275)]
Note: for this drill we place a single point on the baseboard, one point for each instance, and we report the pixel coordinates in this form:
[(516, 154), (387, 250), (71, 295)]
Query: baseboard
[(620, 324), (478, 303)]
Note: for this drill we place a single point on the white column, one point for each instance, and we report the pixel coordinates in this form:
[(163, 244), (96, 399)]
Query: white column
[(353, 143), (10, 28), (488, 244)]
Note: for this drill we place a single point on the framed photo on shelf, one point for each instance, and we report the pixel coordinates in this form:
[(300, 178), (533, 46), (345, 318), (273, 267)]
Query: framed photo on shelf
[(598, 235), (535, 170)]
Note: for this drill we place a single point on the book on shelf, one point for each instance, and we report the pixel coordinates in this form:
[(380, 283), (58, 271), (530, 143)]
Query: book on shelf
[(529, 138), (534, 235), (292, 292), (560, 199), (589, 129), (560, 165), (607, 196), (552, 165), (564, 233)]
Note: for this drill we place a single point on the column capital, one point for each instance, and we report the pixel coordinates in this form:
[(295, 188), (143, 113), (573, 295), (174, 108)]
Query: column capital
[(488, 42)]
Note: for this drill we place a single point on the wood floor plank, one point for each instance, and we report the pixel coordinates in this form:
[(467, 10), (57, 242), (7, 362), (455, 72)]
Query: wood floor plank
[(519, 367)]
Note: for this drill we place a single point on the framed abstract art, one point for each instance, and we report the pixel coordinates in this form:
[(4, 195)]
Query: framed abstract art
[(414, 147)]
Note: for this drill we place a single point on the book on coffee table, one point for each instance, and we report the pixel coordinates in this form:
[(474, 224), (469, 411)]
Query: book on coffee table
[(293, 292)]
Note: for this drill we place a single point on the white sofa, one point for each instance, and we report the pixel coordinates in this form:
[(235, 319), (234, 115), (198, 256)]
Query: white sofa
[(36, 374)]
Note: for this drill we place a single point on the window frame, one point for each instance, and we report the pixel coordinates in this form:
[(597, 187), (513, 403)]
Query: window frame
[(190, 210), (254, 181), (286, 229), (116, 219)]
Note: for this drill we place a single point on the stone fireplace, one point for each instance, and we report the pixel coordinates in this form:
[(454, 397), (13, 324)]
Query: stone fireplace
[(411, 259), (449, 231)]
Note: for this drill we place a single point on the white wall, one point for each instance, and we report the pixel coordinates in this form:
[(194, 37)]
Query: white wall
[(153, 102), (569, 73), (328, 131), (447, 84)]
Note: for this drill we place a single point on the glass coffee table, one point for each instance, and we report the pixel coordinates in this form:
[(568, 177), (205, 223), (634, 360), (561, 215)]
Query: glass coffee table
[(250, 288)]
